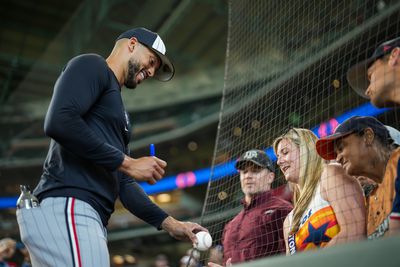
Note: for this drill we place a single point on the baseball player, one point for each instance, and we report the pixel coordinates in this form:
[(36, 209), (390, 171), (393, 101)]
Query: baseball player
[(88, 164)]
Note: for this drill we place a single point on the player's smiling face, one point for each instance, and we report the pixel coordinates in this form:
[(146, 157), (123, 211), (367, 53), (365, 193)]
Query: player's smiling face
[(143, 64)]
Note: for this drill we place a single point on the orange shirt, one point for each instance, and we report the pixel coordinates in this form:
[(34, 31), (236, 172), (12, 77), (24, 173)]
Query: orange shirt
[(380, 201)]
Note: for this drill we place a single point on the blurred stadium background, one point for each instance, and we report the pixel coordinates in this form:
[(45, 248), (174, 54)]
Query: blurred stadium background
[(274, 64)]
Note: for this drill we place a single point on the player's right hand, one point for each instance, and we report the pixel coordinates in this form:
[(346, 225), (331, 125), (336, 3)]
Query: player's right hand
[(184, 231), (145, 169)]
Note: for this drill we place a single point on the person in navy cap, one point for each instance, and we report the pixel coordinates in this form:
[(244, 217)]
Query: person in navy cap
[(378, 77), (88, 165), (257, 230), (364, 147)]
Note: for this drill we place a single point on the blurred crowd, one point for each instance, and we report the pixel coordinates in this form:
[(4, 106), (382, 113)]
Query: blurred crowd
[(13, 254)]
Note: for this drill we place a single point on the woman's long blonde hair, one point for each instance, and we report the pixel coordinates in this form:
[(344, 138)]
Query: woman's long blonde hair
[(311, 167)]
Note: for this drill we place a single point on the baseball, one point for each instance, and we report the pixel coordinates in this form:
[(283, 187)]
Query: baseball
[(204, 241)]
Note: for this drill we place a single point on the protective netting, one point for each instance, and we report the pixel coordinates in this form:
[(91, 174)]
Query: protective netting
[(286, 65)]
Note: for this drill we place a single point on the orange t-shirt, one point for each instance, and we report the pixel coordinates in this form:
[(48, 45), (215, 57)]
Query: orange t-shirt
[(380, 201)]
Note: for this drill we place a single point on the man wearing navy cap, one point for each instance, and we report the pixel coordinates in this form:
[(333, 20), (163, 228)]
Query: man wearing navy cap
[(88, 164), (378, 77), (257, 231)]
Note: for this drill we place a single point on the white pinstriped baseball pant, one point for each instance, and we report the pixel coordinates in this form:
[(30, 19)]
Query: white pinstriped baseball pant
[(64, 231)]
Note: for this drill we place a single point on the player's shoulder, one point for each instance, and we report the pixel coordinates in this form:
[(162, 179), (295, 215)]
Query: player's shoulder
[(91, 66), (88, 62)]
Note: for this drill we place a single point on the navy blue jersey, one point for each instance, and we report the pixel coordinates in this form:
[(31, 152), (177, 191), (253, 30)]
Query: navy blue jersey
[(90, 132)]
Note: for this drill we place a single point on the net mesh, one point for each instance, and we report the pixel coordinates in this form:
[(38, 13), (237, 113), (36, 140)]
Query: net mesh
[(286, 65)]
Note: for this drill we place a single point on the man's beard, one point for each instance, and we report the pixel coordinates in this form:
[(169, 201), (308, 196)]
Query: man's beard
[(133, 69)]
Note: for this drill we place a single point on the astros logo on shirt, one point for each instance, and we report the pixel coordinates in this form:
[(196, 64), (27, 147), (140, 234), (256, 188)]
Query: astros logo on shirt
[(317, 230)]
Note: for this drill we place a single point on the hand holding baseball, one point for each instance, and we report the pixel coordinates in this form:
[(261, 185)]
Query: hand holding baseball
[(182, 230)]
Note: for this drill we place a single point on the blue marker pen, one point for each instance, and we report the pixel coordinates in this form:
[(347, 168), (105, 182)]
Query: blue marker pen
[(152, 150)]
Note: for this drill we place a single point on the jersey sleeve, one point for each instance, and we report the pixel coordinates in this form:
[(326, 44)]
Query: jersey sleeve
[(76, 90), (139, 204)]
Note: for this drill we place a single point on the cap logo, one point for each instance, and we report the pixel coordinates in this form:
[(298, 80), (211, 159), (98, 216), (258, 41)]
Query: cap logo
[(386, 48), (250, 155), (158, 45)]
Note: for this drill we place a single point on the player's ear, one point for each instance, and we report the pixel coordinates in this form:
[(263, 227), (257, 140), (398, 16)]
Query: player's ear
[(132, 43), (394, 58)]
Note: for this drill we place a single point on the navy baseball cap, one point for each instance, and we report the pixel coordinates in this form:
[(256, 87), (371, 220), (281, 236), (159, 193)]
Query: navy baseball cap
[(326, 145), (153, 41), (357, 75), (258, 157)]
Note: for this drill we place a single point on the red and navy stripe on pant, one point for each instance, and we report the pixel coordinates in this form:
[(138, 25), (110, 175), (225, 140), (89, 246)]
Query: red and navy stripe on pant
[(72, 233)]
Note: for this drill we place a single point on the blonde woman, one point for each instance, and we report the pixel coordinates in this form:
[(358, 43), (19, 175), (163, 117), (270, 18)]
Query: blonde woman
[(328, 204)]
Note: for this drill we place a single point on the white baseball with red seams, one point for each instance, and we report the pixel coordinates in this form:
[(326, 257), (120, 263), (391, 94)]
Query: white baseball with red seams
[(204, 241)]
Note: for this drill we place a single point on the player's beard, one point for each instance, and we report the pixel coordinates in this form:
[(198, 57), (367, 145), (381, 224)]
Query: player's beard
[(133, 69)]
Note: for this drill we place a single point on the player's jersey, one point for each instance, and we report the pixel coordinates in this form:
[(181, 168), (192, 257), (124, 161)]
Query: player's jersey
[(318, 225), (90, 132)]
